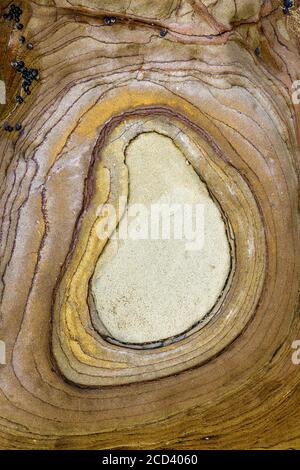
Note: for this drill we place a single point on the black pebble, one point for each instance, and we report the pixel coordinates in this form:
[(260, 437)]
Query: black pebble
[(22, 39), (257, 51), (163, 32), (29, 45), (19, 26), (109, 19), (20, 66), (287, 4), (18, 126), (8, 128), (26, 85), (19, 99), (33, 74)]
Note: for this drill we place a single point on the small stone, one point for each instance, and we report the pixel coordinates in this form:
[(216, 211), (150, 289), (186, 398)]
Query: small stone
[(257, 51), (26, 90), (19, 99), (20, 67), (33, 74), (109, 20), (163, 32), (7, 127), (25, 73), (18, 126), (19, 26), (22, 39), (30, 46)]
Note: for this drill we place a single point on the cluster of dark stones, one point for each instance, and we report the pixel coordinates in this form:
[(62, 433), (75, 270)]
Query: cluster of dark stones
[(14, 14), (28, 75)]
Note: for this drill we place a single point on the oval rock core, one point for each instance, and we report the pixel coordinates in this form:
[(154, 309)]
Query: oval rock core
[(168, 261)]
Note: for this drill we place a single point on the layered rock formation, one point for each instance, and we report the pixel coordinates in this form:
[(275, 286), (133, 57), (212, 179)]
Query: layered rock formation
[(211, 82)]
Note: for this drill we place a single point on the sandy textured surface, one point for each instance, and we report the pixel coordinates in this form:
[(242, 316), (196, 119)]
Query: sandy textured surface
[(146, 289), (216, 77)]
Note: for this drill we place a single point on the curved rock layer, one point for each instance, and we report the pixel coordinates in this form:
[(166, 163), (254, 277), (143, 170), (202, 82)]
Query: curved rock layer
[(215, 82)]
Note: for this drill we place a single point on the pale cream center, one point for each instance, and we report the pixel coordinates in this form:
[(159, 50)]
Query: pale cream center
[(146, 290)]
